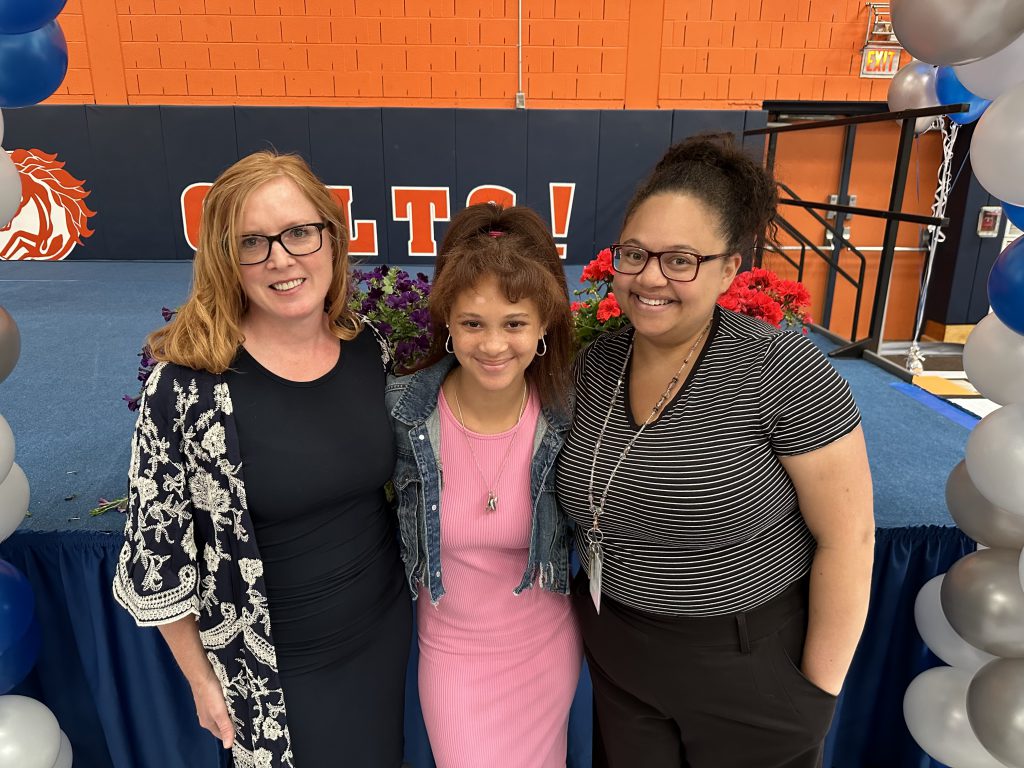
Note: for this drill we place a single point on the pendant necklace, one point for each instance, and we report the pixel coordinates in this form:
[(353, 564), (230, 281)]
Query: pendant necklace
[(492, 488), (595, 537)]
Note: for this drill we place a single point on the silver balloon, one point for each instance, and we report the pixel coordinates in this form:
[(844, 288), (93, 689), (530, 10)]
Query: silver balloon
[(939, 636), (994, 361), (10, 342), (10, 189), (6, 448), (994, 75), (956, 31), (1, 128), (978, 517), (984, 602), (913, 87), (1022, 570), (935, 708), (996, 156), (14, 499), (29, 734), (66, 755), (995, 708), (995, 457)]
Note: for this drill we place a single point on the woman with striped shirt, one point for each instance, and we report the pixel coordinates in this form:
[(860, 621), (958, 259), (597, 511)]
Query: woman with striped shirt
[(718, 479)]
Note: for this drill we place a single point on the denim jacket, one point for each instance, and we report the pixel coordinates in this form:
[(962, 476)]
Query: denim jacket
[(412, 402)]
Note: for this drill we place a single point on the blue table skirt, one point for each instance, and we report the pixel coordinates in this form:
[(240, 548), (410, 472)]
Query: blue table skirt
[(122, 702)]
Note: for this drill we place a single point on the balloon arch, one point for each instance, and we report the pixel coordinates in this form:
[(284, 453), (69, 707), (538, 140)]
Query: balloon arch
[(33, 63), (970, 714)]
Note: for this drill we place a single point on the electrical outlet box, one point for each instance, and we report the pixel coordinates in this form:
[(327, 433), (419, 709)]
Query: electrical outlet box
[(520, 100)]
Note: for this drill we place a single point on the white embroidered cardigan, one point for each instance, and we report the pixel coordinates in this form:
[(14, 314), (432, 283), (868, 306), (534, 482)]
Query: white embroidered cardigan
[(190, 549)]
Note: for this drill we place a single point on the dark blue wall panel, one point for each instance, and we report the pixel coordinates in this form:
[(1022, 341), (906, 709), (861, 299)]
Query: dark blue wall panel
[(632, 142), (563, 147), (490, 148), (419, 151), (130, 183), (347, 150), (284, 129), (199, 144), (688, 122)]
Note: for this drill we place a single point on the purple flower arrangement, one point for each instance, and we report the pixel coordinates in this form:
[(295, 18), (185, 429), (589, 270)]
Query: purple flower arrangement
[(396, 303), (146, 364)]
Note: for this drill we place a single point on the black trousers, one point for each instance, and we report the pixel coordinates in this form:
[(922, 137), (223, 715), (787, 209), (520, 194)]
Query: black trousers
[(704, 692)]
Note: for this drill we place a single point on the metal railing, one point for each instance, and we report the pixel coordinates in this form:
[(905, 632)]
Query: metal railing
[(867, 346)]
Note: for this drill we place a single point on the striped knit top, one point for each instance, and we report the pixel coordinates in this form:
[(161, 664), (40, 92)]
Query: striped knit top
[(701, 518)]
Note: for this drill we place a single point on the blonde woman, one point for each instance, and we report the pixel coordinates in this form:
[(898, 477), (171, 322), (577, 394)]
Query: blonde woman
[(257, 536)]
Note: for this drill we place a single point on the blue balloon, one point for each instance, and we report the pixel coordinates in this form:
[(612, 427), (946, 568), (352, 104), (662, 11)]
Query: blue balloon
[(951, 91), (17, 16), (32, 65), (1015, 213), (17, 661), (17, 604), (1006, 286)]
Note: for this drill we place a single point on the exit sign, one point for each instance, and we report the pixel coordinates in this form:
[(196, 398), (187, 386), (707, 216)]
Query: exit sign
[(879, 61)]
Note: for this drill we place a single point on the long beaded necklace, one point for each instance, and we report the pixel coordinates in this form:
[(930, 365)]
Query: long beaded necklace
[(492, 488), (595, 537)]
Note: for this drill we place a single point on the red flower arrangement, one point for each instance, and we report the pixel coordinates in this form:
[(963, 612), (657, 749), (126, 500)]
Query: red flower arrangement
[(758, 292), (762, 294), (596, 309)]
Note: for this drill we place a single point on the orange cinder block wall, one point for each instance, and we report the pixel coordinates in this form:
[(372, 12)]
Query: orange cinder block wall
[(682, 54)]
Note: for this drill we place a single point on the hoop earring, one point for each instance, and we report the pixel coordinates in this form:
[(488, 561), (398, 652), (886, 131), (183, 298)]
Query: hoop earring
[(448, 345), (543, 348)]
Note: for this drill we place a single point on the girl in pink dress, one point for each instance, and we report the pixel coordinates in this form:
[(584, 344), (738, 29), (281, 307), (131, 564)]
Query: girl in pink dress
[(478, 427)]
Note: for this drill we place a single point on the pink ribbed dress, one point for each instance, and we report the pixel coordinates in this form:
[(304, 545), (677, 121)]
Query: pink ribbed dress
[(497, 671)]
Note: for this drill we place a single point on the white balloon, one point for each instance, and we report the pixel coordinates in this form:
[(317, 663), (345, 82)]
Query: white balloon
[(66, 754), (955, 31), (935, 708), (993, 76), (6, 448), (10, 189), (29, 734), (996, 156), (994, 361), (939, 636), (995, 457), (14, 498)]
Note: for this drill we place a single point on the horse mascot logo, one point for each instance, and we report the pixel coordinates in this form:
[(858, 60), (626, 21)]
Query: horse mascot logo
[(53, 217)]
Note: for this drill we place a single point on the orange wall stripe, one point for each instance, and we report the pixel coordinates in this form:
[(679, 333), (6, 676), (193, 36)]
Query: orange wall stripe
[(643, 56), (103, 40)]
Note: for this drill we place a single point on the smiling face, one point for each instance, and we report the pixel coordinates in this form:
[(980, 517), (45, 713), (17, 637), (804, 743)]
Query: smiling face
[(494, 339), (284, 288), (664, 311)]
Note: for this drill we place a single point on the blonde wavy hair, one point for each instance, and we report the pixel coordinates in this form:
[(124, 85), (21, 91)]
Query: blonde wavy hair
[(205, 333)]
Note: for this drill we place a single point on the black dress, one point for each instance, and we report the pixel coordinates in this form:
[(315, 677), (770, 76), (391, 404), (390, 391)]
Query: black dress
[(315, 457)]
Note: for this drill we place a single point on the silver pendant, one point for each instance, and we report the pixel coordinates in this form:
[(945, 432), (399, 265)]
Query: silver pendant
[(492, 501), (596, 561)]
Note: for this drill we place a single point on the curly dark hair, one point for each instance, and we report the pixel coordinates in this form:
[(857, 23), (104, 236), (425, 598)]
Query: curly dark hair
[(711, 168), (514, 246)]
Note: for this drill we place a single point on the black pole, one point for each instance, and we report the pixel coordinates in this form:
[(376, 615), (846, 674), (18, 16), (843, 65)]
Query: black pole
[(873, 341), (849, 138)]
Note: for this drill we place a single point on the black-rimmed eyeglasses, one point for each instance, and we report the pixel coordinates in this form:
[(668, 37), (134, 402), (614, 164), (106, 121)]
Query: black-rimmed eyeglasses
[(680, 266), (300, 240)]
